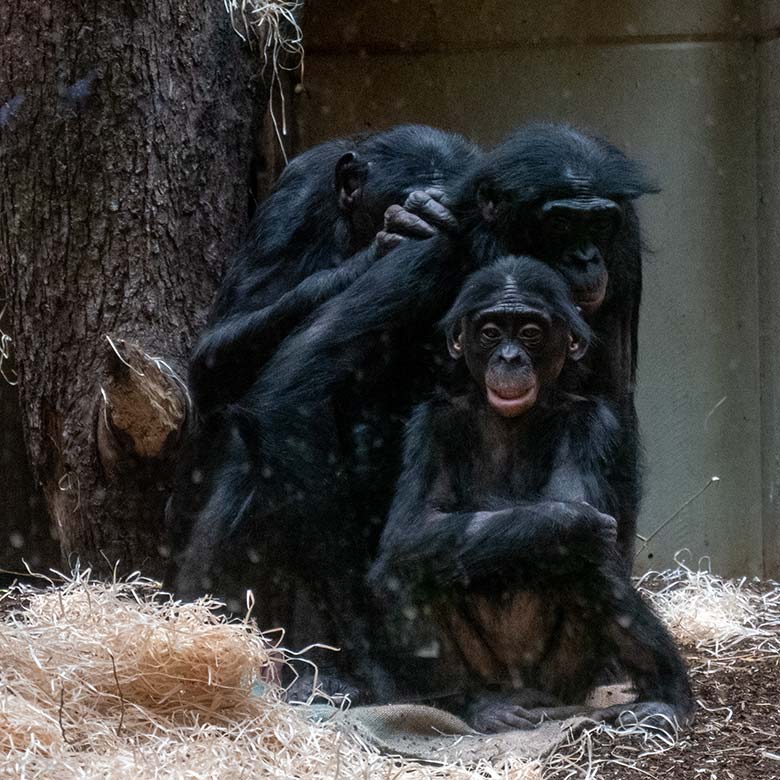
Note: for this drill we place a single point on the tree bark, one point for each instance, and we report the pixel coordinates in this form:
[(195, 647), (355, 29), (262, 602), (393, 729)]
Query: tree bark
[(127, 138)]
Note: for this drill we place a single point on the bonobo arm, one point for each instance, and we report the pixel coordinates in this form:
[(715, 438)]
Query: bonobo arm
[(461, 547), (229, 357), (411, 285)]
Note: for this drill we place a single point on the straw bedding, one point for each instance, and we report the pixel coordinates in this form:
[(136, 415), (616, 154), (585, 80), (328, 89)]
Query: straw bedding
[(116, 680)]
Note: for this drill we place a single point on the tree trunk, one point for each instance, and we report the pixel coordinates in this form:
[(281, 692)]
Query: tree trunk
[(126, 147)]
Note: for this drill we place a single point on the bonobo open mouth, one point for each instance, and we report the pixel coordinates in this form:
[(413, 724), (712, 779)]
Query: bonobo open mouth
[(513, 400), (589, 299)]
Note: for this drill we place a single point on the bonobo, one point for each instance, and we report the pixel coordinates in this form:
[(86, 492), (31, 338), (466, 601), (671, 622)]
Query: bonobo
[(567, 198), (502, 522), (334, 211), (256, 504)]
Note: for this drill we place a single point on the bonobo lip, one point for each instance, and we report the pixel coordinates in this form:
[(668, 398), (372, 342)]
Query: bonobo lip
[(590, 299), (511, 405)]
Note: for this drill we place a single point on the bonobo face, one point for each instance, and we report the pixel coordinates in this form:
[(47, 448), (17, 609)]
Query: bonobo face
[(514, 350), (575, 235)]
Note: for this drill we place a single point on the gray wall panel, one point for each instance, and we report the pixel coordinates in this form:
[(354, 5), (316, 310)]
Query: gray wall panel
[(410, 24), (769, 291)]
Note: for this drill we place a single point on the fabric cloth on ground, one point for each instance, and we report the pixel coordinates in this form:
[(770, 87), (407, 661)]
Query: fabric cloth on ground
[(428, 734)]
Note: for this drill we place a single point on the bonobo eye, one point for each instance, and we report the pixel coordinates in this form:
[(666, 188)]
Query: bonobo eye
[(602, 227), (489, 334), (561, 225), (531, 335)]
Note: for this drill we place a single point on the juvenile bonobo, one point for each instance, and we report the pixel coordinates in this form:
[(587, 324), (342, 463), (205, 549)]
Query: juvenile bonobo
[(567, 197), (502, 525)]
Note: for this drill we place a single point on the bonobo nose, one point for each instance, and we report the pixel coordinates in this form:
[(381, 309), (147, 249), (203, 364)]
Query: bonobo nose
[(510, 352), (584, 254)]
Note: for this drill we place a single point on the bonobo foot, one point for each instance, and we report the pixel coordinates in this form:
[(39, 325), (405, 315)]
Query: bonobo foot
[(326, 688), (523, 709), (650, 715)]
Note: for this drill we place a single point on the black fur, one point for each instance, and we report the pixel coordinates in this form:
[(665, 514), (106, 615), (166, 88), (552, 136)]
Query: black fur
[(305, 247), (381, 329), (303, 452)]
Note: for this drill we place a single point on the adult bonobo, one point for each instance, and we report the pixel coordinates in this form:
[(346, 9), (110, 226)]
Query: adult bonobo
[(548, 189), (502, 526), (334, 211), (256, 506)]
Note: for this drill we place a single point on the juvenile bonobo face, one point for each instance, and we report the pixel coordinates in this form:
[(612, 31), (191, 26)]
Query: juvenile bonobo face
[(514, 350), (515, 324)]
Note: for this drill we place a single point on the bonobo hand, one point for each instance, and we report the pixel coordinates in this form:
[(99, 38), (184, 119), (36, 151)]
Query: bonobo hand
[(591, 533), (330, 688), (424, 214), (492, 713)]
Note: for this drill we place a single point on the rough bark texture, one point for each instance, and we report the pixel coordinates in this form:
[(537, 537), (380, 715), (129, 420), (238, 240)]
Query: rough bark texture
[(126, 143)]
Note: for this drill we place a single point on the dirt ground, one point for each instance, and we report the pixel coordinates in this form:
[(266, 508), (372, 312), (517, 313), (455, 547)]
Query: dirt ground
[(736, 734)]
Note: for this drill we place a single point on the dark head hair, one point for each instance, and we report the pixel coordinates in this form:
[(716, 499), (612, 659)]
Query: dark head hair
[(393, 162), (405, 153), (537, 162), (538, 284)]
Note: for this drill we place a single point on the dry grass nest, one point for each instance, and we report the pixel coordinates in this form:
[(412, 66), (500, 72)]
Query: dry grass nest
[(117, 680)]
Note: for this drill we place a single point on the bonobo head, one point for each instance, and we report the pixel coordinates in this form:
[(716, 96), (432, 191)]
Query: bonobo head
[(385, 167), (515, 325), (562, 196)]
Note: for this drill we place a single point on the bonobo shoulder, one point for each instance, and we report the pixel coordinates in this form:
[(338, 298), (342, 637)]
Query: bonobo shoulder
[(594, 426)]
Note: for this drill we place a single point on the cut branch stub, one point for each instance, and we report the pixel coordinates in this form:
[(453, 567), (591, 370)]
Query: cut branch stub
[(141, 408)]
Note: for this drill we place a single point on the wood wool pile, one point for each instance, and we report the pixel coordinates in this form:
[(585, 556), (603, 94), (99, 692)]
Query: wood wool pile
[(116, 680)]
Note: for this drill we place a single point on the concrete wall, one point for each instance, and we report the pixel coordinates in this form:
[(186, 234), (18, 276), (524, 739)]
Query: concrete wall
[(679, 85), (768, 152)]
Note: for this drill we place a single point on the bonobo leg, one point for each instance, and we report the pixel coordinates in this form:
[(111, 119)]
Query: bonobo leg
[(289, 505), (279, 496), (226, 504), (647, 652)]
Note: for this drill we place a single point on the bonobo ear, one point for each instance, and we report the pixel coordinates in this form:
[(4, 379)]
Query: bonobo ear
[(351, 175), (487, 200), (454, 343), (577, 346)]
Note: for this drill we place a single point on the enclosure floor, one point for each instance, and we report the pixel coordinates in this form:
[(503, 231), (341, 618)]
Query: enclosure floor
[(737, 735)]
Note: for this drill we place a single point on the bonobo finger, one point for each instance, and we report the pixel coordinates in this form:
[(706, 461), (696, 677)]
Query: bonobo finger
[(386, 242), (495, 720), (399, 220), (422, 203), (515, 721), (535, 716), (437, 193), (490, 725), (607, 522)]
